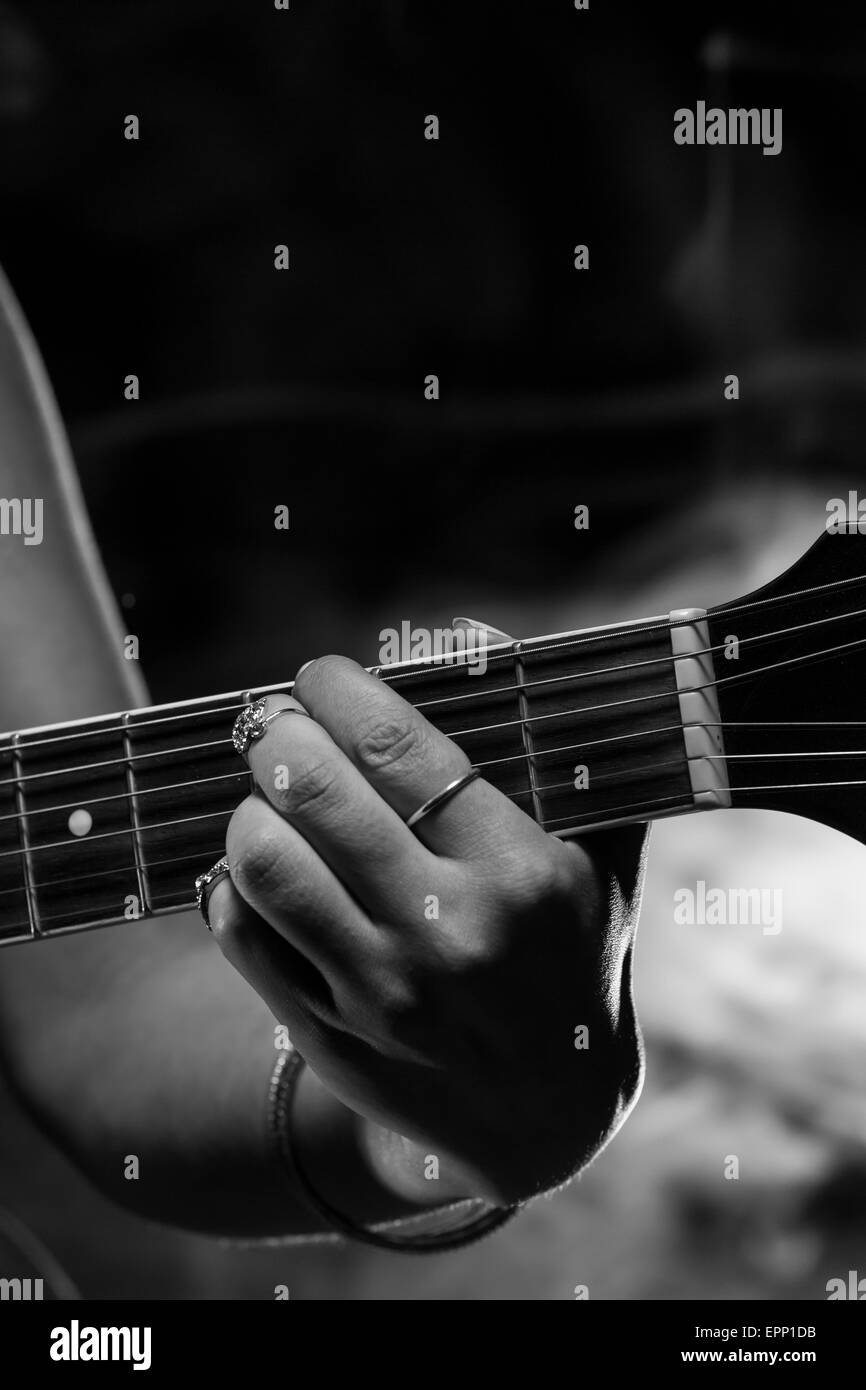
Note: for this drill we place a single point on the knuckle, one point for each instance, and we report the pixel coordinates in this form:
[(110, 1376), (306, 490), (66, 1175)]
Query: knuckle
[(473, 955), (254, 855), (472, 937), (395, 1003), (384, 740), (314, 784), (256, 868), (542, 878), (403, 1015)]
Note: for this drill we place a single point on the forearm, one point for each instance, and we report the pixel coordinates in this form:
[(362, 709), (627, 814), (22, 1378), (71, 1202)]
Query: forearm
[(137, 1041), (154, 1081)]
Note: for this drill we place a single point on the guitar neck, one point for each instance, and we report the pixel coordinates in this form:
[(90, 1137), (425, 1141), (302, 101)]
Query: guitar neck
[(111, 820)]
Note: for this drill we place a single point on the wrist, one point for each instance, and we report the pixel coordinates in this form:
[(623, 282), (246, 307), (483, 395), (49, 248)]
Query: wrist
[(385, 1162), (411, 1171), (333, 1146)]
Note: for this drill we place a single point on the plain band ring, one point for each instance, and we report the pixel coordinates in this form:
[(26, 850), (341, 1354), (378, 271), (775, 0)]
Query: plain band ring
[(445, 795), (205, 882), (252, 723)]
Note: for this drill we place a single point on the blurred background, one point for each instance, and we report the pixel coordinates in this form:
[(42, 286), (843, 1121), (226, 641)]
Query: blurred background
[(558, 387)]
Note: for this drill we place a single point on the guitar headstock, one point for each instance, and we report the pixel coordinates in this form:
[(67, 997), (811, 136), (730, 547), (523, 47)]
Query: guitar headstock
[(790, 662)]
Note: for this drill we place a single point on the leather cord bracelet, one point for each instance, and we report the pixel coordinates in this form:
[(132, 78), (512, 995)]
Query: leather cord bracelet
[(444, 1229)]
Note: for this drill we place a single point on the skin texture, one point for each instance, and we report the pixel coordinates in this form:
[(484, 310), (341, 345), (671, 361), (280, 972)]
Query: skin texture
[(443, 1030), (451, 1038)]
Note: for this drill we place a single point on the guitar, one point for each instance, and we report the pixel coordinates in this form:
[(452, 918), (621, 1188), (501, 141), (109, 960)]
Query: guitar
[(756, 703)]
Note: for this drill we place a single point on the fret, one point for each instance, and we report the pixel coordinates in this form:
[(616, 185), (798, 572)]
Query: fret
[(189, 780), (247, 698), (582, 730), (17, 909), (487, 725), (133, 812), (24, 832), (160, 785), (606, 728), (526, 730), (77, 829)]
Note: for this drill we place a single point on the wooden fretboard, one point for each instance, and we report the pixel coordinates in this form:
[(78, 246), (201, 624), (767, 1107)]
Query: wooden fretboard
[(110, 820)]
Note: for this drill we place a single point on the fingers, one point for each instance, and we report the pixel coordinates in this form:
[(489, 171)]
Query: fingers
[(291, 986), (279, 875), (308, 779), (405, 758)]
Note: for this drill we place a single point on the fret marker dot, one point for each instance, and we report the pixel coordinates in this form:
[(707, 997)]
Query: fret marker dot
[(80, 822)]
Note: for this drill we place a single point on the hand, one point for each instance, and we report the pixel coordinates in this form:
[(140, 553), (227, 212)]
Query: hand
[(434, 979)]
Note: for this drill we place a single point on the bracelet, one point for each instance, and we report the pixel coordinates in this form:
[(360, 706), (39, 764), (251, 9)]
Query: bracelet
[(484, 1219)]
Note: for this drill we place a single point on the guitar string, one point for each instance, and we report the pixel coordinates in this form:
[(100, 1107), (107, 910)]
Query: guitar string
[(590, 820), (467, 733), (632, 773), (199, 857), (636, 771), (525, 651), (556, 680), (637, 808), (632, 807), (110, 834), (123, 796), (244, 773), (666, 624), (131, 796), (635, 665), (573, 678)]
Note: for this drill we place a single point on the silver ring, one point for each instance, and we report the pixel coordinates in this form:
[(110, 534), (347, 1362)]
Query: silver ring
[(445, 795), (252, 723), (204, 883)]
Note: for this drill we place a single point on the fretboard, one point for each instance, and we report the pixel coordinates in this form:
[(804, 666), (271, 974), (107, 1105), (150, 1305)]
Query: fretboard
[(111, 820)]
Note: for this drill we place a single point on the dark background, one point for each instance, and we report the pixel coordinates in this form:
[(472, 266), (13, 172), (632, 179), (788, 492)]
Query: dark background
[(305, 388), (410, 257)]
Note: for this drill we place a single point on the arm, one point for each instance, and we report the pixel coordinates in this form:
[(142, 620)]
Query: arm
[(143, 1042), (139, 1042)]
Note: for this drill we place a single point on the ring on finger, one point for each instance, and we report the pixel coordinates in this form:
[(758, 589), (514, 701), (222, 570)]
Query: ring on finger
[(442, 796), (204, 883), (252, 723)]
